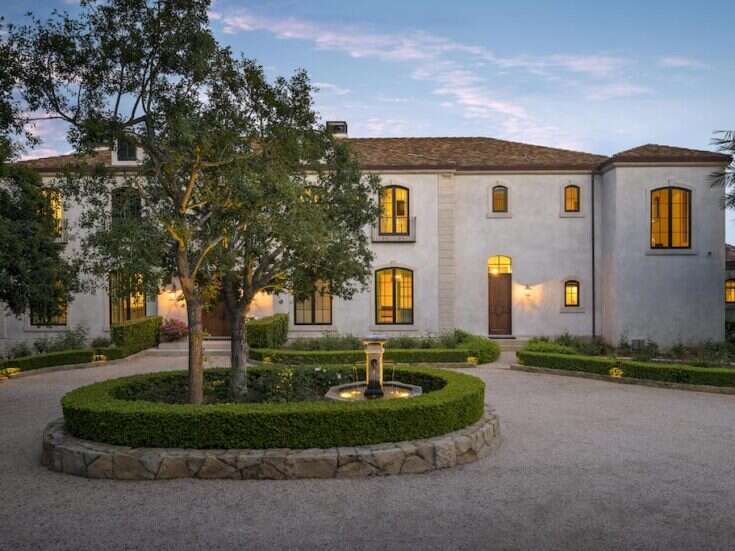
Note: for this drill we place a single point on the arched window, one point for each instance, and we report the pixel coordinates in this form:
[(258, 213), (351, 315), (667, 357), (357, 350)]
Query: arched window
[(499, 265), (500, 199), (671, 216), (571, 198), (394, 296), (730, 291), (571, 293), (314, 309), (394, 211)]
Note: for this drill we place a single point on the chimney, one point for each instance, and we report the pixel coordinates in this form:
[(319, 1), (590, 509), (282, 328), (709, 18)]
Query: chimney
[(337, 128)]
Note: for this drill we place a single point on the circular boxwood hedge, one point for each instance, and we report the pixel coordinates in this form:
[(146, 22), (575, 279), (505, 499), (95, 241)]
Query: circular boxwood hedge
[(96, 412)]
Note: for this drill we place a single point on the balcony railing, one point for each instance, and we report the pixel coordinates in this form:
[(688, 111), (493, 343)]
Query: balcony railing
[(406, 231)]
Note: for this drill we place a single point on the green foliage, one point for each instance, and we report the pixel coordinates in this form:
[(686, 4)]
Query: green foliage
[(173, 330), (74, 339), (19, 350), (134, 336), (101, 342), (270, 332), (48, 360), (331, 357), (326, 342), (482, 348), (538, 345), (675, 373), (95, 413)]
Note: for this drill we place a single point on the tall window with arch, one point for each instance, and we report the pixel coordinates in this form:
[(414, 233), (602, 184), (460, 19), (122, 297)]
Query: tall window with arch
[(500, 199), (571, 198), (571, 293), (671, 218), (394, 296), (394, 210)]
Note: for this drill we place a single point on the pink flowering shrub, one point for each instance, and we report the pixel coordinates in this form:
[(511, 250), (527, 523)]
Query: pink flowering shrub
[(173, 330)]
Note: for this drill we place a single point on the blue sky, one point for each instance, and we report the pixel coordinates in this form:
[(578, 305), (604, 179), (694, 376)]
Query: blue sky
[(599, 77)]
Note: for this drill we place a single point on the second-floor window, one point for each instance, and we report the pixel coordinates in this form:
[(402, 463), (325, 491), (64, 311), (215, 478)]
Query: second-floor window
[(571, 199), (55, 209), (671, 216), (500, 199), (315, 309), (730, 291), (571, 293), (126, 205), (394, 213), (126, 150)]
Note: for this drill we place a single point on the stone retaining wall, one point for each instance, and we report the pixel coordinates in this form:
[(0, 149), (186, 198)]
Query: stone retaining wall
[(65, 453)]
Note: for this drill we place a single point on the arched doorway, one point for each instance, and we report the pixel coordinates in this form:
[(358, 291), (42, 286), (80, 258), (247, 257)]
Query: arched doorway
[(500, 294)]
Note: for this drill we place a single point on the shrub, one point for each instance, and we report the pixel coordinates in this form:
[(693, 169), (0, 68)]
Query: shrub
[(535, 345), (101, 342), (332, 357), (19, 350), (676, 373), (93, 412), (270, 332), (173, 330), (485, 350), (326, 342), (134, 336), (38, 361)]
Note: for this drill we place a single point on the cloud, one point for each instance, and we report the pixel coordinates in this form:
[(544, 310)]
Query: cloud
[(378, 127), (678, 62), (332, 88), (606, 91)]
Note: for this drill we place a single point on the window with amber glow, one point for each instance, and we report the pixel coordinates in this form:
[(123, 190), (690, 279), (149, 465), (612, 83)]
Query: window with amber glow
[(571, 199), (55, 208), (500, 199), (571, 293), (499, 265), (394, 296), (394, 210), (730, 291), (671, 214), (127, 302), (40, 317), (315, 309)]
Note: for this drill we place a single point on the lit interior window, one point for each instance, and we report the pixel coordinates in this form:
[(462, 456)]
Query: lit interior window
[(500, 199), (394, 210), (730, 291), (394, 299), (56, 210), (571, 293), (126, 302), (670, 218), (499, 265), (571, 199)]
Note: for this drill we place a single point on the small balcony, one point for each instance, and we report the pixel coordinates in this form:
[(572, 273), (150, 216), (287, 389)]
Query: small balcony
[(406, 230)]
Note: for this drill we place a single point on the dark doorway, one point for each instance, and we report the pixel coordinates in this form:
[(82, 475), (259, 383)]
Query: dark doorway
[(215, 321)]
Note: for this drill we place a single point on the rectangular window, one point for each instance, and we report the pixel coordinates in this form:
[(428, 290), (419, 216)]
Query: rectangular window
[(394, 210), (500, 199), (55, 210), (670, 218), (571, 293), (41, 318), (126, 303), (394, 296), (315, 309), (126, 150), (571, 199)]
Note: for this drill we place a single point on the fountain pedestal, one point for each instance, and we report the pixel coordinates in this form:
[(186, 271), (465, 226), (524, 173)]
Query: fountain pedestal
[(374, 368)]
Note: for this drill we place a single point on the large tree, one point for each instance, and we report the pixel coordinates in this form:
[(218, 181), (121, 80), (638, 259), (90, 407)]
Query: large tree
[(151, 73), (725, 142), (296, 213)]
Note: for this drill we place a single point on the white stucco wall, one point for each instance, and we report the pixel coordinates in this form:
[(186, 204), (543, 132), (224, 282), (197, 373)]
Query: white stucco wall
[(668, 296)]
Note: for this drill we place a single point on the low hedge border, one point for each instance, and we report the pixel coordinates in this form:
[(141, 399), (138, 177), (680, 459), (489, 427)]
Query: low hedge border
[(602, 365), (93, 413), (270, 332), (28, 363), (136, 335), (332, 357)]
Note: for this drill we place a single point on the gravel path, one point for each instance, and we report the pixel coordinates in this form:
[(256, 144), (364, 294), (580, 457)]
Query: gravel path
[(583, 465)]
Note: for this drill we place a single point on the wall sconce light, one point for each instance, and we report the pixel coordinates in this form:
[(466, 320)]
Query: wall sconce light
[(528, 290)]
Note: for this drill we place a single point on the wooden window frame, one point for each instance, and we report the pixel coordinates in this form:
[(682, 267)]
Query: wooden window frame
[(393, 211), (127, 143), (577, 189), (690, 228), (128, 303), (394, 318), (313, 310), (504, 190), (35, 323), (572, 283)]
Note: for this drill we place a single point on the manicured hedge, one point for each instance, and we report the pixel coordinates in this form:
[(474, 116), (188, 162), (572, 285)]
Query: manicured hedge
[(482, 348), (67, 357), (673, 373), (136, 335), (270, 332), (93, 413), (331, 357)]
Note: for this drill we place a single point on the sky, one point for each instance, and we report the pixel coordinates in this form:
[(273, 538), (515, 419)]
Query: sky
[(591, 76)]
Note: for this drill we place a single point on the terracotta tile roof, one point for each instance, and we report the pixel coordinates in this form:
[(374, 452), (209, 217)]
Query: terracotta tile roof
[(58, 163), (654, 153), (466, 154)]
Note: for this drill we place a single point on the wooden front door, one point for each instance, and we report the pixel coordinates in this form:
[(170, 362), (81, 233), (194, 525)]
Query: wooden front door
[(500, 307), (215, 321)]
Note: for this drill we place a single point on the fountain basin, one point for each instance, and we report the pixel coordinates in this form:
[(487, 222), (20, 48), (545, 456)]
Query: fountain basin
[(355, 392)]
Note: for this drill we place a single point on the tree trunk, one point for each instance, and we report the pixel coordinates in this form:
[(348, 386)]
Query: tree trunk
[(196, 351), (238, 354)]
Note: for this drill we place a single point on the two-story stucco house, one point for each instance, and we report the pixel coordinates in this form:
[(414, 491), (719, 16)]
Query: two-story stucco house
[(501, 239)]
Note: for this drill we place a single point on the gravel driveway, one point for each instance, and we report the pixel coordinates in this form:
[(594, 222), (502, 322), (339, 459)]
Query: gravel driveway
[(583, 465)]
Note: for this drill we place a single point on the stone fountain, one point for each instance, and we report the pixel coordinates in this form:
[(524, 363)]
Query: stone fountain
[(374, 388)]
